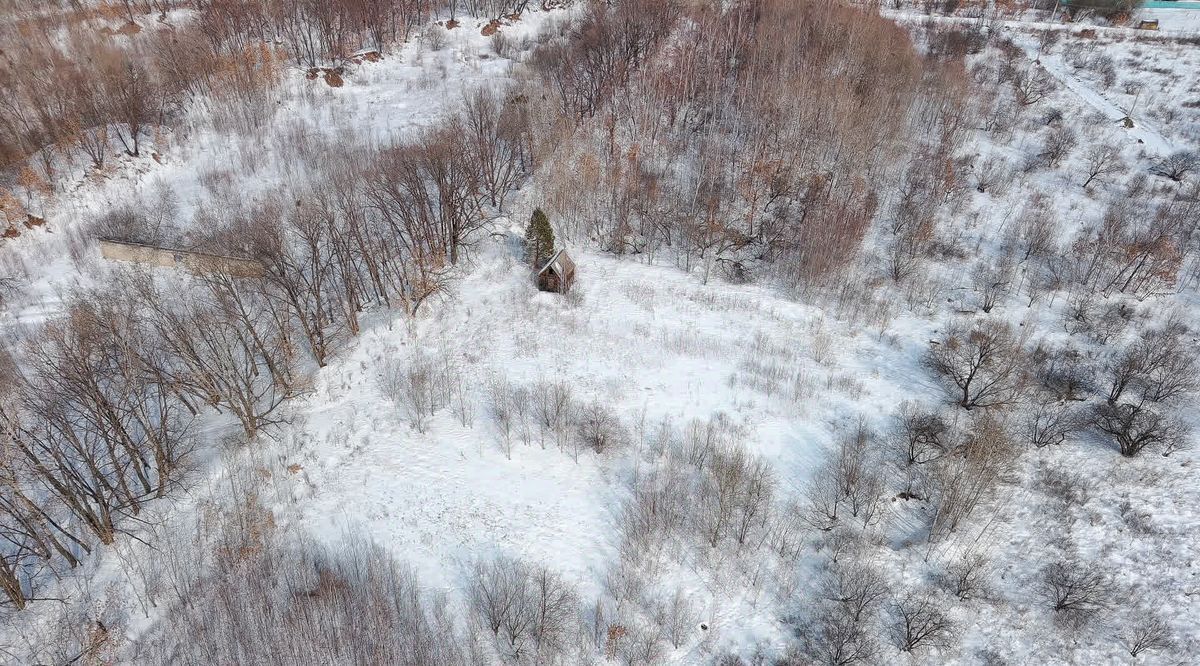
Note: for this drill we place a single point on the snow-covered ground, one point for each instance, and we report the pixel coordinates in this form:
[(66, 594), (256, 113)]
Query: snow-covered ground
[(657, 346)]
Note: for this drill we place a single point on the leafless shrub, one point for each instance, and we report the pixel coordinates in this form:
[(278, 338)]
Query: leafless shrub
[(1037, 228), (786, 532), (500, 394), (1111, 322), (1047, 39), (434, 37), (735, 496), (968, 577), (1104, 66), (992, 175), (418, 385), (127, 224), (1057, 144), (10, 286), (553, 407), (1159, 367), (677, 618), (504, 45), (348, 602), (598, 428), (1143, 380), (1062, 372), (703, 438), (1080, 53), (1076, 591), (842, 542), (639, 646), (905, 251), (1062, 486), (849, 483), (960, 482), (992, 282), (522, 408)]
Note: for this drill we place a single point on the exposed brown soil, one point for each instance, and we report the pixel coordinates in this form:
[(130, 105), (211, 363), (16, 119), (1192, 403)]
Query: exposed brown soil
[(332, 75), (126, 29)]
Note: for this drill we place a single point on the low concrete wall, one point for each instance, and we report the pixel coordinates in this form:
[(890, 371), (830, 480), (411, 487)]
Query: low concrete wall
[(197, 262)]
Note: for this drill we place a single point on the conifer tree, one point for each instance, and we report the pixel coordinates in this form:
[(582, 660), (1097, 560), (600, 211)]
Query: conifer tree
[(539, 240)]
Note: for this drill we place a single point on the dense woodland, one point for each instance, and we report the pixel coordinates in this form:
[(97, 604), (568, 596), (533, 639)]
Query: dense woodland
[(819, 148)]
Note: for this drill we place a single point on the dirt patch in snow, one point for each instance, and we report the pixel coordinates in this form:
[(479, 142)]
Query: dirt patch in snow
[(332, 75), (127, 29)]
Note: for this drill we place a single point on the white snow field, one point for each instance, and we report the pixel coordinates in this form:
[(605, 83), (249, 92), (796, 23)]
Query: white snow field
[(785, 374)]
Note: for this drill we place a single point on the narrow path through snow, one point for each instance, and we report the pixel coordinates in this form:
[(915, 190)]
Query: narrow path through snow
[(1141, 130)]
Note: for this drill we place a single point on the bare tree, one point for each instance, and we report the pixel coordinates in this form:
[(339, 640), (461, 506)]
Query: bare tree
[(1032, 84), (1101, 160), (1037, 228), (918, 437), (858, 589), (836, 639), (500, 408), (1050, 422), (992, 281), (918, 622), (553, 407), (1136, 427), (983, 363), (1177, 165), (494, 591), (968, 577), (1145, 630), (1159, 367), (131, 94)]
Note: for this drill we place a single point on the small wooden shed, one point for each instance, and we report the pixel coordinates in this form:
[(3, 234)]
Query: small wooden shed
[(558, 274)]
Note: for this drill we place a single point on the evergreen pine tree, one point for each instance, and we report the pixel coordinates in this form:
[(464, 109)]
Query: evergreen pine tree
[(539, 240)]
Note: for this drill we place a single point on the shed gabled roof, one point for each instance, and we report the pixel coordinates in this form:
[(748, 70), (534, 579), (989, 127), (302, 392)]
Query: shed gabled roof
[(560, 262)]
